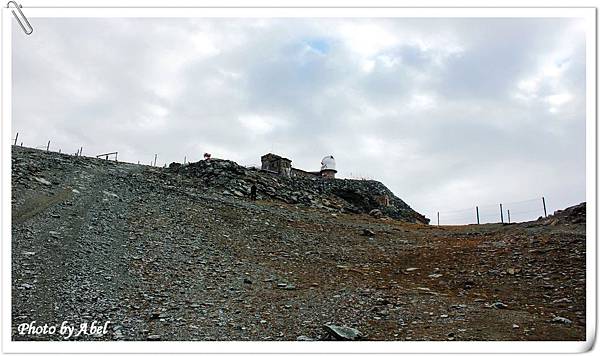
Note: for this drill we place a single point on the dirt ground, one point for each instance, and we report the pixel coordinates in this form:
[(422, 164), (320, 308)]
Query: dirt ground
[(161, 258)]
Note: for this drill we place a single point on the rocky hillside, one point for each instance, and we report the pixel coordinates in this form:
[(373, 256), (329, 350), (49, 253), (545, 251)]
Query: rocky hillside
[(571, 215), (160, 255), (334, 195)]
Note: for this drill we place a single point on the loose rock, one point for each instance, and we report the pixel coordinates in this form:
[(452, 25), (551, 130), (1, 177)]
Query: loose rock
[(343, 332)]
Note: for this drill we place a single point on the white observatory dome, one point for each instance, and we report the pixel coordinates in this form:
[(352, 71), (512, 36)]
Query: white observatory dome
[(328, 163)]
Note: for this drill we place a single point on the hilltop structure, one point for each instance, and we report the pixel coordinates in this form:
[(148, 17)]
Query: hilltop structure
[(276, 164), (278, 180), (328, 167), (283, 166)]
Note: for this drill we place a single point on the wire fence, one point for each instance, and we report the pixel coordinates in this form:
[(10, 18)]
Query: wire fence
[(50, 147), (511, 212)]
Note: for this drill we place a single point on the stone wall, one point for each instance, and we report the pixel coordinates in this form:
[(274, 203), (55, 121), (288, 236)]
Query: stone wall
[(300, 173), (275, 163)]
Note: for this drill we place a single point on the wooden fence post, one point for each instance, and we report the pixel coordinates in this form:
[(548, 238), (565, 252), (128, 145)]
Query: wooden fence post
[(477, 210), (544, 203), (16, 137), (105, 155), (48, 147), (438, 218), (501, 215)]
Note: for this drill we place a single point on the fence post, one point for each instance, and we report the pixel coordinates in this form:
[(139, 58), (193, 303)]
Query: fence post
[(116, 155), (508, 211), (477, 210), (184, 158), (501, 215), (544, 203), (438, 217), (48, 147), (16, 137), (155, 155), (80, 150)]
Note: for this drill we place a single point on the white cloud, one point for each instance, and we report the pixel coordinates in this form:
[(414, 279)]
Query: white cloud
[(558, 99), (368, 65), (259, 125), (366, 39), (420, 102), (529, 86)]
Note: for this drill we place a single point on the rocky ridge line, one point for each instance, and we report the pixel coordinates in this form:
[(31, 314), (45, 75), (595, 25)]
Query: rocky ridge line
[(335, 195)]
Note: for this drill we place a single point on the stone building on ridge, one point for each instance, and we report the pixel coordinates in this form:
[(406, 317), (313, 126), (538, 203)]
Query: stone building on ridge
[(283, 166)]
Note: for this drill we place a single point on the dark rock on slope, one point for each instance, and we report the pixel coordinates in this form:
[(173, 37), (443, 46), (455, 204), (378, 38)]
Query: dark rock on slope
[(574, 215), (340, 195)]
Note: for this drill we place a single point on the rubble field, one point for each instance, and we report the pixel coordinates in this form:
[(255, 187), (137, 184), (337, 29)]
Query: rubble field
[(168, 254)]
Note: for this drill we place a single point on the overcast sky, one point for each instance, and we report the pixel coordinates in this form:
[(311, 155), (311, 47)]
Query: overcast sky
[(448, 113)]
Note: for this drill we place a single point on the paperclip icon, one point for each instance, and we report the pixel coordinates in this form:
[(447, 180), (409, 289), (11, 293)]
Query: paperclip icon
[(29, 30)]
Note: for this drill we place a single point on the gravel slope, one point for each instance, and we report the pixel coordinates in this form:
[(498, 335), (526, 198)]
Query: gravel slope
[(163, 258)]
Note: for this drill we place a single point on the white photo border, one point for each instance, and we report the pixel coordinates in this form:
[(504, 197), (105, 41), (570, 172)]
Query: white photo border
[(10, 346)]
